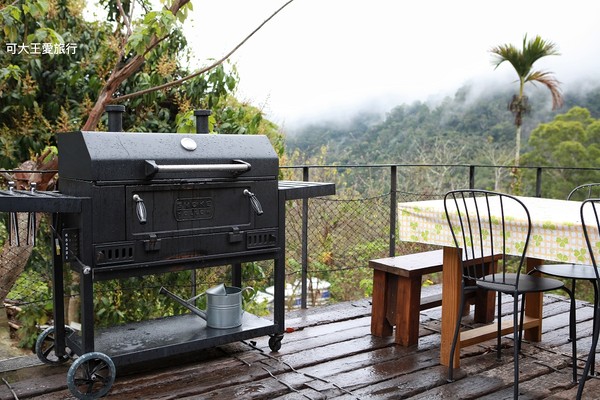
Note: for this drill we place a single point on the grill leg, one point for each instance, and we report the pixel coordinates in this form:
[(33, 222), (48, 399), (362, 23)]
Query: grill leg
[(236, 275)]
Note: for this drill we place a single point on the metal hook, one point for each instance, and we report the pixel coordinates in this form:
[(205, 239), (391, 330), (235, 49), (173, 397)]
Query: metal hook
[(13, 225), (31, 220), (31, 225)]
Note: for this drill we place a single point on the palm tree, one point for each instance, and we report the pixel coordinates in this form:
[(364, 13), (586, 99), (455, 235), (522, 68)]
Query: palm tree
[(522, 60)]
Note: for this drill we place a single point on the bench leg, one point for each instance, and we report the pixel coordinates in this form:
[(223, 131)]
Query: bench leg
[(380, 326), (408, 305), (485, 301)]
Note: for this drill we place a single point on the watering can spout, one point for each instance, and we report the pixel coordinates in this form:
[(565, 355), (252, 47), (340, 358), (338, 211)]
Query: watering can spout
[(223, 306), (191, 307)]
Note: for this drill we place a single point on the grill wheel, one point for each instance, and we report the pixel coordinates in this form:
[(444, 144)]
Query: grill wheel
[(91, 376)]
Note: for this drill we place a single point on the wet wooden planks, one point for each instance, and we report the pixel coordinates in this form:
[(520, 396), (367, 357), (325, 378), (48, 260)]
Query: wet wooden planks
[(330, 354)]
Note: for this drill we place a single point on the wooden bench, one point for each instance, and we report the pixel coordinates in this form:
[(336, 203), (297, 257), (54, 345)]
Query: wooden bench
[(397, 295)]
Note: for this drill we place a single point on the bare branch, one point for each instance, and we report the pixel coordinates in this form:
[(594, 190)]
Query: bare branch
[(203, 70), (152, 46), (126, 20)]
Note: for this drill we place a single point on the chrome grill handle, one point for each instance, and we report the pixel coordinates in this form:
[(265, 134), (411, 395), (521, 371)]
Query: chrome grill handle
[(140, 209)]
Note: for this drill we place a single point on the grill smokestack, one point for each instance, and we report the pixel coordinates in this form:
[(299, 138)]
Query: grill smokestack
[(202, 120), (115, 117)]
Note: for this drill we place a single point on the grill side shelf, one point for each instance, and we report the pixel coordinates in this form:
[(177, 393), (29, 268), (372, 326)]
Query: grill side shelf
[(293, 190), (42, 201)]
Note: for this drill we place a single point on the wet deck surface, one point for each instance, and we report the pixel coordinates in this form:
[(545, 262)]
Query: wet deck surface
[(330, 354)]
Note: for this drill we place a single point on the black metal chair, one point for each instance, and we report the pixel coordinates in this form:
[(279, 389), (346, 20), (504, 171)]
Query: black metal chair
[(575, 272), (590, 222), (479, 222)]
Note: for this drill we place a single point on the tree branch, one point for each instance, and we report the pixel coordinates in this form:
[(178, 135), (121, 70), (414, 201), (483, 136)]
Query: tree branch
[(152, 46), (126, 20), (203, 70)]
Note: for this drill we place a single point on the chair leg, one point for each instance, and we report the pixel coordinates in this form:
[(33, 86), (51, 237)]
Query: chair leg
[(590, 359), (596, 307), (572, 330), (499, 337), (516, 335), (572, 291), (456, 334), (521, 322)]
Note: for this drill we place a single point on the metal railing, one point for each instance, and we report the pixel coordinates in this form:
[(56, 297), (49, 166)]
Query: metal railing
[(530, 182), (333, 237)]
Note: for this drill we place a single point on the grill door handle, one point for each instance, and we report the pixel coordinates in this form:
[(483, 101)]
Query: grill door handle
[(140, 209), (254, 202), (237, 167)]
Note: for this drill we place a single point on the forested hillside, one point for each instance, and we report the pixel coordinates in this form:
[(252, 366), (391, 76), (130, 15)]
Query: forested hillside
[(466, 128)]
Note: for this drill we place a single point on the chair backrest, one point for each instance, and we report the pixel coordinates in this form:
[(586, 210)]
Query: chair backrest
[(482, 223), (584, 192), (590, 221)]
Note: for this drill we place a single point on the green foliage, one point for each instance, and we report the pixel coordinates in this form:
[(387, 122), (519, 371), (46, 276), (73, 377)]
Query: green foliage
[(31, 317), (32, 285), (48, 92), (55, 93), (571, 139), (367, 286), (153, 24)]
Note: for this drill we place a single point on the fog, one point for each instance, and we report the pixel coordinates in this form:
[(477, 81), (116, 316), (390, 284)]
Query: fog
[(328, 58)]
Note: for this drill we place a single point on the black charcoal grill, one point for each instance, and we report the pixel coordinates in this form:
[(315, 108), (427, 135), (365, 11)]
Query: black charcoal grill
[(169, 199), (134, 204)]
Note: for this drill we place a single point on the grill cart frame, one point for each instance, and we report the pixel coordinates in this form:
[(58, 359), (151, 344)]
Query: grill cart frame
[(98, 353)]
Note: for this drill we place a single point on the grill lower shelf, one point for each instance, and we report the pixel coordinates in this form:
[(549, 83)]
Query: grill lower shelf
[(171, 336)]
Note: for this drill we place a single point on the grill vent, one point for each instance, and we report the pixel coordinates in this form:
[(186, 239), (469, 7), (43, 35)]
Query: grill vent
[(259, 239), (114, 253)]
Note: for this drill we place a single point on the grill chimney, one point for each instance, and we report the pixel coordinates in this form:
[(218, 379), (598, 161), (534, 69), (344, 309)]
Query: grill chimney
[(115, 117), (202, 120)]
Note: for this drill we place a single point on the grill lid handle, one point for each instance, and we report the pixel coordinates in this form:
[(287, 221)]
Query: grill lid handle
[(237, 167)]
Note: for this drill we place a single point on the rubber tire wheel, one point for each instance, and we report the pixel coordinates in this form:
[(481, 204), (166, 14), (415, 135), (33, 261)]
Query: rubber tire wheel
[(91, 376), (275, 343), (44, 345)]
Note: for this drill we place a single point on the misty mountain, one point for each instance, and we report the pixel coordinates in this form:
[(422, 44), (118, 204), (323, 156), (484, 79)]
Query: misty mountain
[(466, 128)]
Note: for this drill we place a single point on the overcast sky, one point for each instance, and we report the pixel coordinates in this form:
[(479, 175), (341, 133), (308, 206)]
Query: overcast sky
[(329, 57)]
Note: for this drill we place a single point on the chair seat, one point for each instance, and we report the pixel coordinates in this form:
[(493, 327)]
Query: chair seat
[(569, 271), (527, 283)]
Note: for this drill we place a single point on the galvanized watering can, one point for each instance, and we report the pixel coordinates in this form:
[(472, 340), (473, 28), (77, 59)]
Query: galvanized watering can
[(223, 305)]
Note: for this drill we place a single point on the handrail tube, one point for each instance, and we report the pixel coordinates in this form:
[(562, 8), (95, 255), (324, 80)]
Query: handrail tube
[(393, 208), (305, 178)]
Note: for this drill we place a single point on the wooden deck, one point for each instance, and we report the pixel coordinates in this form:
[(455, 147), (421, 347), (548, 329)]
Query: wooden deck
[(329, 353)]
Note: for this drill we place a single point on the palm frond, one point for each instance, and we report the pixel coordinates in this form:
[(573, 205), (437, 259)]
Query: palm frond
[(503, 53), (538, 48), (553, 85), (523, 59)]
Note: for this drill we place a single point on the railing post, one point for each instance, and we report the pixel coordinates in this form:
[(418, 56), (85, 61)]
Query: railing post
[(393, 208), (538, 182), (303, 296), (471, 177)]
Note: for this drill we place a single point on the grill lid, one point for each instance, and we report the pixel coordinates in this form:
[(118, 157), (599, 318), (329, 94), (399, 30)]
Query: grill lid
[(118, 156)]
